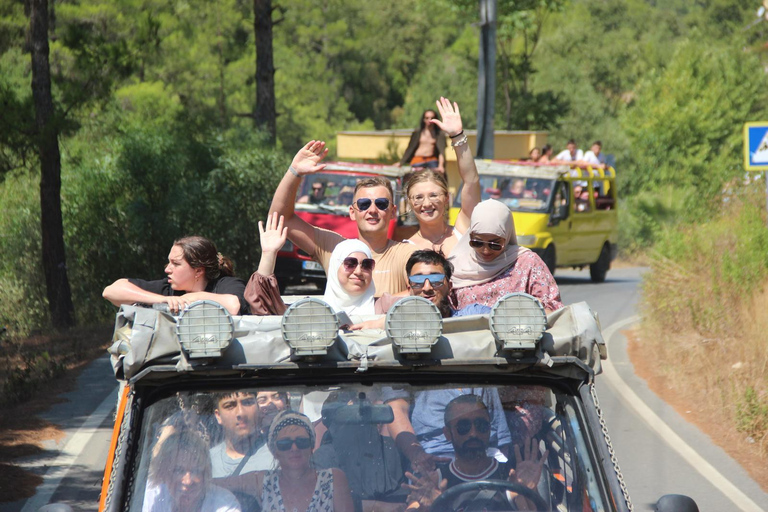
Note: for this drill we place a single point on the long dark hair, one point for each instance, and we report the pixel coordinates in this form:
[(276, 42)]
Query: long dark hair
[(432, 127), (200, 252)]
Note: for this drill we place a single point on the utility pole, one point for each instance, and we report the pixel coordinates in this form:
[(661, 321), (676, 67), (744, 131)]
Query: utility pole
[(486, 79)]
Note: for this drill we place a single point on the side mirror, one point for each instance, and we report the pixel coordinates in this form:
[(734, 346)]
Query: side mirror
[(675, 503)]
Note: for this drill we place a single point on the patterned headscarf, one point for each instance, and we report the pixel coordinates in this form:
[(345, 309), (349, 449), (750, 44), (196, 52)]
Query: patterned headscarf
[(284, 419)]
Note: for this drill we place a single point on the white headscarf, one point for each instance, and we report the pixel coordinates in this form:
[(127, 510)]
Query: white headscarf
[(335, 295), (490, 217)]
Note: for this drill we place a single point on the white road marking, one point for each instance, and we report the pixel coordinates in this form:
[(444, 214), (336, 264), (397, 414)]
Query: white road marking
[(675, 442), (59, 467)]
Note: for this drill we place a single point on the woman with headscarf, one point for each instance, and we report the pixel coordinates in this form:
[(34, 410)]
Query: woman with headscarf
[(349, 287), (488, 263), (295, 485)]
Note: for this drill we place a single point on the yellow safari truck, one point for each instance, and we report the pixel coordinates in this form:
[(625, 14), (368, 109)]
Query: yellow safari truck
[(567, 215)]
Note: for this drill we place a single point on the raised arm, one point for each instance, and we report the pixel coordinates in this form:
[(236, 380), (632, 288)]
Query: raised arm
[(470, 193), (271, 238), (306, 161)]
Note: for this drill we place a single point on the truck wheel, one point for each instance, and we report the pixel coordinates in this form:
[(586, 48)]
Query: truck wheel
[(550, 258), (599, 269)]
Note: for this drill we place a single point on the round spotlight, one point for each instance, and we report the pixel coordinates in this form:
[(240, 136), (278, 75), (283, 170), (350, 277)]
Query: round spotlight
[(518, 321), (204, 329), (309, 326), (414, 324)]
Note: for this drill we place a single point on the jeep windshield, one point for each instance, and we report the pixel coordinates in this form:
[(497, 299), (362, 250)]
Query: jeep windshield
[(520, 194), (332, 191), (353, 425)]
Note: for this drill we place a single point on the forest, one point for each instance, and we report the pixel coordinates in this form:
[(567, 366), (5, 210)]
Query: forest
[(154, 106)]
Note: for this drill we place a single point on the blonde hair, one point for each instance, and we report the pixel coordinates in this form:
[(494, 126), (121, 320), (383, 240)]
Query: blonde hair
[(425, 176)]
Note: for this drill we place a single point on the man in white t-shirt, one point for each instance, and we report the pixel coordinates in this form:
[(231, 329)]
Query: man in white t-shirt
[(571, 154), (594, 157)]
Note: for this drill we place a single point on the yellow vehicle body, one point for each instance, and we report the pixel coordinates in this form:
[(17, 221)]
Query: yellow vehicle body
[(565, 214)]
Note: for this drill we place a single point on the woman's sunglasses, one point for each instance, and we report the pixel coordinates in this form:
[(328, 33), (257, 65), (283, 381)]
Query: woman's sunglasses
[(464, 426), (477, 244), (302, 443), (382, 203), (435, 280), (351, 263)]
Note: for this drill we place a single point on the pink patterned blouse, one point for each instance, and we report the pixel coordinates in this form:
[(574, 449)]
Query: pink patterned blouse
[(528, 274)]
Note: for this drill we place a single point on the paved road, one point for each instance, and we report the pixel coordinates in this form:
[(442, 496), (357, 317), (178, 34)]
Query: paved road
[(652, 463)]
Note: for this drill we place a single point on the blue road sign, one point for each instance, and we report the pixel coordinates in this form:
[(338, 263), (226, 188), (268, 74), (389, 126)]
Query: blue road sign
[(756, 146)]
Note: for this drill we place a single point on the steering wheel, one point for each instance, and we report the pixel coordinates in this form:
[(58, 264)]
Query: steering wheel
[(444, 501)]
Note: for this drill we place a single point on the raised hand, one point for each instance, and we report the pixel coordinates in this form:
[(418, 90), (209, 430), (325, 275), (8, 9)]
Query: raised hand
[(450, 115), (528, 465), (273, 237), (307, 160), (424, 489)]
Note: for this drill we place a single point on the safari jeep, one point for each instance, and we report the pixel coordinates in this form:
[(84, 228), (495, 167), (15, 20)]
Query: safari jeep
[(323, 200), (539, 370), (566, 215)]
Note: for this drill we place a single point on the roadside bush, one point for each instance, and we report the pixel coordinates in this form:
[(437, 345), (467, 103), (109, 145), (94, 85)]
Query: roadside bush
[(704, 305)]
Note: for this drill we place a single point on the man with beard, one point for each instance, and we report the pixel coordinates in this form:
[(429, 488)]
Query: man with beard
[(243, 450), (468, 428)]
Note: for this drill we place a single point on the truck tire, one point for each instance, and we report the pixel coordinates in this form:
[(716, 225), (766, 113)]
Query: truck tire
[(550, 258), (599, 269)]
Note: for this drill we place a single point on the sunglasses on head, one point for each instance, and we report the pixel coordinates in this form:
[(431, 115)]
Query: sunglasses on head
[(481, 426), (477, 244), (351, 263), (382, 203), (435, 280), (302, 443)]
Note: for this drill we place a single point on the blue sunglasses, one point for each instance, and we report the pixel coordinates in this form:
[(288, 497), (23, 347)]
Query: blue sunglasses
[(436, 280)]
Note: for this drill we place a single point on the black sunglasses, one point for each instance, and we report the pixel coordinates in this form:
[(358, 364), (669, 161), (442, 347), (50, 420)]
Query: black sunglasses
[(477, 244), (382, 203), (351, 263), (302, 443), (464, 426)]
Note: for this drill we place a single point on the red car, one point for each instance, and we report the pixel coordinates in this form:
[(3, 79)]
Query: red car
[(323, 200)]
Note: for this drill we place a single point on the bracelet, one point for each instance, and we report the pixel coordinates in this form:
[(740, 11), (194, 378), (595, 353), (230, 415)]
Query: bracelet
[(460, 142), (293, 171), (457, 135)]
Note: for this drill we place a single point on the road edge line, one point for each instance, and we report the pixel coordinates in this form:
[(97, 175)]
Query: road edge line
[(59, 467), (669, 436)]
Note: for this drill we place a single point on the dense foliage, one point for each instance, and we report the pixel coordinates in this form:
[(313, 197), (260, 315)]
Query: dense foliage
[(155, 103)]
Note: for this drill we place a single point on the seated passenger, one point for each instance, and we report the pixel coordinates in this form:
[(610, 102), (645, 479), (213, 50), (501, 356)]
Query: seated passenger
[(180, 478), (243, 450), (546, 154), (488, 263), (516, 189), (294, 484), (317, 196), (593, 157), (350, 285), (534, 155), (468, 428), (270, 403), (570, 154), (195, 271)]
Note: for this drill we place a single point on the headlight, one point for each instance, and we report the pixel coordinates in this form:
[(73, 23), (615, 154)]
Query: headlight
[(414, 324), (526, 239), (204, 329), (309, 326), (518, 321)]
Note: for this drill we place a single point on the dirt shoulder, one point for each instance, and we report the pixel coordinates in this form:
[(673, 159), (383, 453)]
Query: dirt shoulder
[(686, 400), (29, 369)]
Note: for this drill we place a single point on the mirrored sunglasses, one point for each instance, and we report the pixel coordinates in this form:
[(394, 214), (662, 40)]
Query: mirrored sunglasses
[(351, 263), (435, 280), (477, 244), (302, 443), (382, 203), (481, 426)]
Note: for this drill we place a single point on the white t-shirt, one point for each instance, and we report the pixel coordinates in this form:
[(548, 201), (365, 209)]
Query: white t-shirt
[(158, 499), (593, 159), (566, 155)]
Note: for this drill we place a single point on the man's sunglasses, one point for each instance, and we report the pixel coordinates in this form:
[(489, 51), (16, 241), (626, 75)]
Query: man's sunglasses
[(436, 280), (302, 443), (477, 244), (351, 263), (464, 426), (382, 203)]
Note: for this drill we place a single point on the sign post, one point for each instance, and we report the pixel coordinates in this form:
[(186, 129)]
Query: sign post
[(756, 150)]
